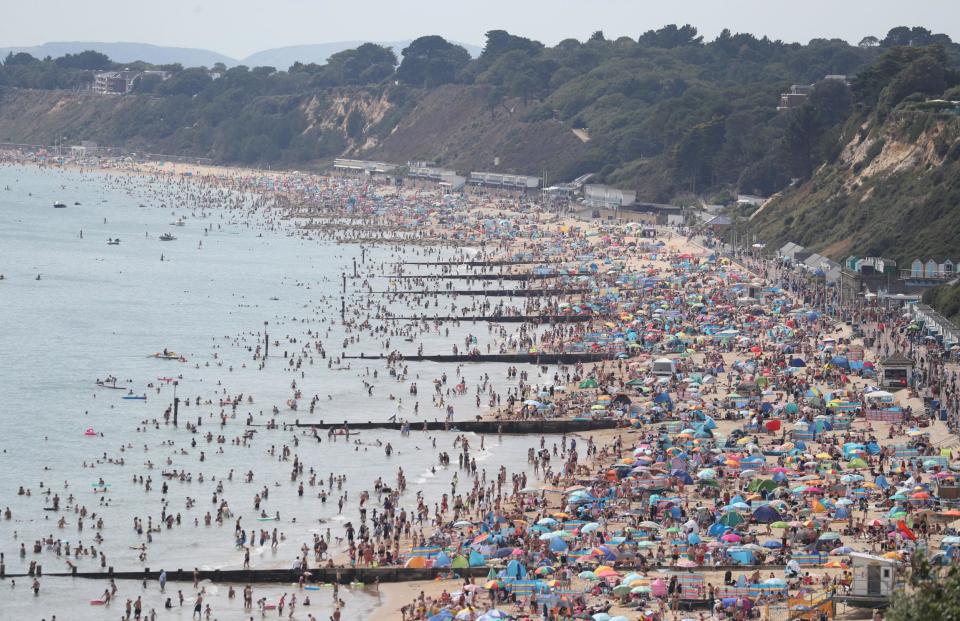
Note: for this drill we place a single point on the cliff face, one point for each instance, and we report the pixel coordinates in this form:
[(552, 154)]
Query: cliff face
[(39, 117), (894, 189), (454, 126)]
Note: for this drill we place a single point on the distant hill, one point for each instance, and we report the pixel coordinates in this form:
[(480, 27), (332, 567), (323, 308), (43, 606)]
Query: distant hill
[(123, 52), (282, 57)]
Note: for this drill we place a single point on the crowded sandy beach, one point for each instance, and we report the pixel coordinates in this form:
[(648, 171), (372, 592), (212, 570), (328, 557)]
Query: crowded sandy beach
[(481, 406)]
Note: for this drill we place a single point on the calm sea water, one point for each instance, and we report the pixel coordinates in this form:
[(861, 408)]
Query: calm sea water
[(99, 309)]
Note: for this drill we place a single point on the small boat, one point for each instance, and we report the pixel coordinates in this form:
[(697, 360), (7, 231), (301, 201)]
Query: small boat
[(179, 222), (111, 386), (113, 242), (167, 237), (168, 355), (59, 205)]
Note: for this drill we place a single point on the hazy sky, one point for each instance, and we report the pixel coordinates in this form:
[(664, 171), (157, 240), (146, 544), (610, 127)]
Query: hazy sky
[(240, 27)]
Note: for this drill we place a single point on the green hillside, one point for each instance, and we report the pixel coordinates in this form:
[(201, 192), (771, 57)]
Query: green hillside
[(666, 113), (890, 182)]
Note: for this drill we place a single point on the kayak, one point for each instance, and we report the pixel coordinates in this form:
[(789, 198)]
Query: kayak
[(102, 385), (137, 397)]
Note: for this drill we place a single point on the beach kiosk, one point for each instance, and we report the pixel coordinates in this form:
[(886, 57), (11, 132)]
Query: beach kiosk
[(663, 367), (896, 371), (875, 579)]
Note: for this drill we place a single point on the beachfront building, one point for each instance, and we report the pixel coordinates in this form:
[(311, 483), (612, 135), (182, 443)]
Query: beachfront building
[(448, 179), (570, 189), (936, 325), (503, 180), (861, 275), (798, 93), (613, 203), (362, 166), (820, 266), (607, 197), (791, 252), (662, 214), (122, 82), (115, 82), (933, 269), (423, 170), (718, 224)]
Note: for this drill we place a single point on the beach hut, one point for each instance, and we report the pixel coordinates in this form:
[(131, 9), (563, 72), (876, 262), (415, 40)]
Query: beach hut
[(875, 579)]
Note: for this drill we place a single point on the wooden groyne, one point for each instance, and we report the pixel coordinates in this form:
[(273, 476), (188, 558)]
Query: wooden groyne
[(548, 319), (538, 426), (491, 263), (359, 576), (520, 293), (325, 575), (484, 276), (545, 358)]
